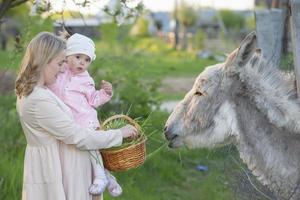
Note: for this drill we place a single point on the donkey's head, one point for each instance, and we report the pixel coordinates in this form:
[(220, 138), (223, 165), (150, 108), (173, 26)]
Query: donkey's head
[(206, 116)]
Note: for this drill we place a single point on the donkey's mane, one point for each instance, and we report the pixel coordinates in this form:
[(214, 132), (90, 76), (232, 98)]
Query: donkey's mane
[(273, 91)]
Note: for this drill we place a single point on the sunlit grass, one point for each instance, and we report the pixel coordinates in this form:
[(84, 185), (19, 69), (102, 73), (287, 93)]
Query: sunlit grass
[(161, 63), (12, 150)]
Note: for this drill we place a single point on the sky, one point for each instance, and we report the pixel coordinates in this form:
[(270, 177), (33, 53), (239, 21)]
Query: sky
[(160, 5)]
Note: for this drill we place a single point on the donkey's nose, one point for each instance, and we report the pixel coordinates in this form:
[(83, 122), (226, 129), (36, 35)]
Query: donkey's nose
[(168, 133), (166, 127)]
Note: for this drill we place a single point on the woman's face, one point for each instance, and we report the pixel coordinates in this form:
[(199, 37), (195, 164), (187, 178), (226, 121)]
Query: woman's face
[(53, 68)]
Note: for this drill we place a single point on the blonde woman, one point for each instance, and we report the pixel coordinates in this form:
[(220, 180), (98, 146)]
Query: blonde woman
[(50, 130)]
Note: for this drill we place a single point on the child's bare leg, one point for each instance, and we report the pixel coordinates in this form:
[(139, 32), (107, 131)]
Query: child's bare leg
[(113, 186), (100, 181)]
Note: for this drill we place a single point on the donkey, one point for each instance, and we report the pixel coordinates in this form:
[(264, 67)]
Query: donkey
[(247, 102)]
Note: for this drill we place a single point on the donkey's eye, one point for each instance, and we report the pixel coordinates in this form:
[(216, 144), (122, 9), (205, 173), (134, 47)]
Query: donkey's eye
[(198, 93)]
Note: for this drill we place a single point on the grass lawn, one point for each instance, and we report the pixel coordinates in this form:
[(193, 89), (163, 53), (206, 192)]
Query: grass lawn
[(172, 174), (158, 66)]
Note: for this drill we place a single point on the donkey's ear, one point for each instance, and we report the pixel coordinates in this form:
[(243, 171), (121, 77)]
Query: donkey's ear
[(239, 57)]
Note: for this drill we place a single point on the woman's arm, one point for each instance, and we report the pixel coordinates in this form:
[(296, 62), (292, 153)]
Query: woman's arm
[(56, 122)]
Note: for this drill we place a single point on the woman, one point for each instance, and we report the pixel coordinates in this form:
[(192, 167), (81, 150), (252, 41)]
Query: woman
[(49, 126)]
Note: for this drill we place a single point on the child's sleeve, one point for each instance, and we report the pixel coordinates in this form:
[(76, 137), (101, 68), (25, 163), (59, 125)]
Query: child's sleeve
[(95, 97)]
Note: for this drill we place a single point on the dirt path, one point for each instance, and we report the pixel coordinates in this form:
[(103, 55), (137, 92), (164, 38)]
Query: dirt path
[(179, 85)]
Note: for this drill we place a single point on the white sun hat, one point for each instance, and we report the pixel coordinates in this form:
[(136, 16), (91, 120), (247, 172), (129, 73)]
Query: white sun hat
[(80, 44)]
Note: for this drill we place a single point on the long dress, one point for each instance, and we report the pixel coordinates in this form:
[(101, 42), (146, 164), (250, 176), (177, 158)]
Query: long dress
[(49, 129)]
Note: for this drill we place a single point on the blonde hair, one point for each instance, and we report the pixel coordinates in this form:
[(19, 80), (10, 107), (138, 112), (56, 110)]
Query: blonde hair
[(40, 51)]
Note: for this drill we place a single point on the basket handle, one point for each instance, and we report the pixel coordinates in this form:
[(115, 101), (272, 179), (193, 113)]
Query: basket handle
[(130, 121)]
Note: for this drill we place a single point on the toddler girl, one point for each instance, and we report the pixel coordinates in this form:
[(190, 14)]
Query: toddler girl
[(77, 89)]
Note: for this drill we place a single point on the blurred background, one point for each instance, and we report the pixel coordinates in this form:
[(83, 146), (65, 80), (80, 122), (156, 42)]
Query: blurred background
[(151, 51)]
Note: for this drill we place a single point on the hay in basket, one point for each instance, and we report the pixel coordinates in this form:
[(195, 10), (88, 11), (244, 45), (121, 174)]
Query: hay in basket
[(131, 153)]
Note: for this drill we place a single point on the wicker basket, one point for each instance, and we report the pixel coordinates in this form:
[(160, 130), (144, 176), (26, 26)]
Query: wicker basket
[(126, 157)]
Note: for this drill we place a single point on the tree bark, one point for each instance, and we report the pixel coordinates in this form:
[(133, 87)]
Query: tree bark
[(269, 28), (295, 29), (284, 5)]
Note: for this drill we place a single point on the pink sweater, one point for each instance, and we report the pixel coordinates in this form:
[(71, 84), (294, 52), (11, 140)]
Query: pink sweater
[(79, 93)]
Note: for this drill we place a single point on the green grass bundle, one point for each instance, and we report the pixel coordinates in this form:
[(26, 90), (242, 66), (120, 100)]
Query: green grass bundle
[(119, 123)]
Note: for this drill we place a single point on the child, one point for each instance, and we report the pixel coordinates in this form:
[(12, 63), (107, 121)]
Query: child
[(77, 89)]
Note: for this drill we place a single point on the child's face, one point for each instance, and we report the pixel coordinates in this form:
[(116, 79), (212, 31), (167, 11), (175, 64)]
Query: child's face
[(78, 63)]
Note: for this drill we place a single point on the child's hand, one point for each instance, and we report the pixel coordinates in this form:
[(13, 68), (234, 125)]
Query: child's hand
[(107, 87)]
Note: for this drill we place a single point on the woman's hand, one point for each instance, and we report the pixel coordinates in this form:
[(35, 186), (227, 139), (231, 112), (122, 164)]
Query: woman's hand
[(129, 131), (107, 87)]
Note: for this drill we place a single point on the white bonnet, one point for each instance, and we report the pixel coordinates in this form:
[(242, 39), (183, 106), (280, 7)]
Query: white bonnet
[(80, 44)]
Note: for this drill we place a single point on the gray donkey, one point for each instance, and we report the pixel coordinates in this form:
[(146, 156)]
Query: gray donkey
[(250, 103)]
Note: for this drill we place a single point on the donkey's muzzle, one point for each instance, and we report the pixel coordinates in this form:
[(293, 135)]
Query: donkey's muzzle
[(168, 134)]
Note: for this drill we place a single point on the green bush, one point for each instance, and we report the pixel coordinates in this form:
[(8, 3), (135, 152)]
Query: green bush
[(187, 15), (151, 45), (114, 40), (11, 58), (250, 23), (232, 20), (109, 32), (197, 41), (140, 29), (132, 95)]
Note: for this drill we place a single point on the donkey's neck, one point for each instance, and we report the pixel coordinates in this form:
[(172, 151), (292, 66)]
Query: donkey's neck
[(270, 152), (274, 95)]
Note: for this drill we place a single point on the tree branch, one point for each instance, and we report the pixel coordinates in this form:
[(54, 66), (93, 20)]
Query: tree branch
[(5, 5), (17, 3)]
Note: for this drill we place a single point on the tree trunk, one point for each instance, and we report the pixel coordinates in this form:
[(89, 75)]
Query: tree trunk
[(269, 28), (176, 34), (184, 38), (284, 5), (176, 28), (295, 26)]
